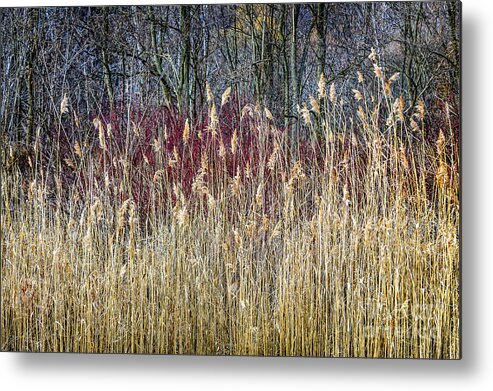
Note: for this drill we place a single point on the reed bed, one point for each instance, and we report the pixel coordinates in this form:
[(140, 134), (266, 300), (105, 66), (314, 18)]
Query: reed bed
[(341, 243)]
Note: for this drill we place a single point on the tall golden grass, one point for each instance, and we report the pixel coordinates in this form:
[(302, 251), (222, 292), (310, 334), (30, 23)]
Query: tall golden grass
[(357, 257)]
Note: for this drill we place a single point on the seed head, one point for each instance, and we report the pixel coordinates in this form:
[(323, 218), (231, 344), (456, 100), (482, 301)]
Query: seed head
[(236, 185), (394, 77), (64, 105), (234, 142), (387, 85), (183, 217), (420, 110), (76, 120), (225, 96), (403, 158), (213, 120), (345, 195), (248, 171), (204, 161), (305, 113), (271, 164), (414, 125), (360, 77), (156, 145), (442, 176), (259, 196), (78, 149), (186, 132), (373, 55), (158, 175), (222, 149), (378, 71), (357, 95), (321, 87), (315, 106), (102, 141), (440, 143), (211, 202), (333, 95)]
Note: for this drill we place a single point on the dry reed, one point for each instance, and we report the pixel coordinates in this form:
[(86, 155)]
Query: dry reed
[(353, 258)]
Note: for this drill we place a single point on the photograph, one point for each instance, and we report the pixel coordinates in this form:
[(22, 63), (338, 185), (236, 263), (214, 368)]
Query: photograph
[(272, 179)]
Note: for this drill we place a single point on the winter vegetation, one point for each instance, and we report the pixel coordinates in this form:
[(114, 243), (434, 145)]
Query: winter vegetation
[(275, 179)]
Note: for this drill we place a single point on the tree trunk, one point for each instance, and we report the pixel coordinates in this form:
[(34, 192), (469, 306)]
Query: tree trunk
[(105, 59), (320, 25), (158, 65), (285, 63), (33, 20), (452, 10), (293, 71), (184, 83)]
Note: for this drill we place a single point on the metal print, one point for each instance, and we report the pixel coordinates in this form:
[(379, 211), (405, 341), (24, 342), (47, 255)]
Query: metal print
[(243, 179)]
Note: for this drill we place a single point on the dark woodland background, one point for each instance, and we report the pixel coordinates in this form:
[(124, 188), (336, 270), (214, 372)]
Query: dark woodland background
[(102, 58)]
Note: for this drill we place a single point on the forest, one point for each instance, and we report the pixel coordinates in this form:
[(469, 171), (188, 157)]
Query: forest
[(270, 54)]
